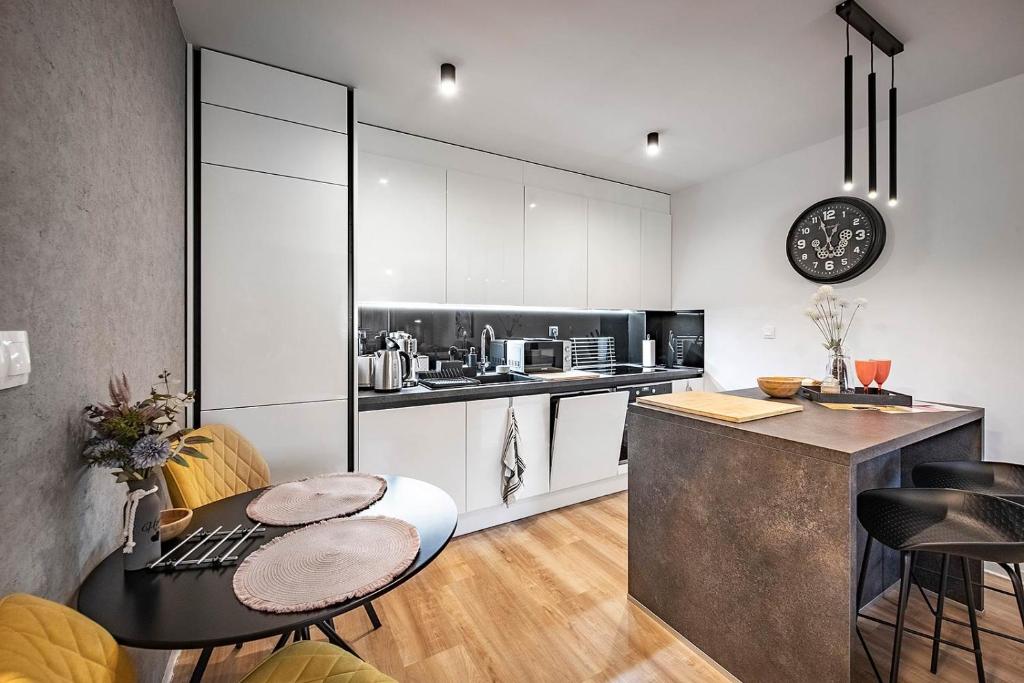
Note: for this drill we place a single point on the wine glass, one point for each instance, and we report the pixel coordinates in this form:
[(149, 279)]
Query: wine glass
[(882, 368), (866, 370)]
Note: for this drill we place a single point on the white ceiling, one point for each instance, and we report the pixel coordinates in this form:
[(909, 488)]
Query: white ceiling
[(579, 83)]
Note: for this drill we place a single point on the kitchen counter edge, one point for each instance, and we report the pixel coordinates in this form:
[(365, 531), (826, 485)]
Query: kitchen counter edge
[(419, 396)]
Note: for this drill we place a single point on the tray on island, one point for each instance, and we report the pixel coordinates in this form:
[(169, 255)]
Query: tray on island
[(859, 396)]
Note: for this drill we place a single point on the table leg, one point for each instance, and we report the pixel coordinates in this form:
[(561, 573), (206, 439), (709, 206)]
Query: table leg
[(200, 668), (334, 638), (372, 613)]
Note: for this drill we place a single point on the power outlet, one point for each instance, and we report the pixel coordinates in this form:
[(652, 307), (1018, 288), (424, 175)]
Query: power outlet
[(553, 331), (768, 332)]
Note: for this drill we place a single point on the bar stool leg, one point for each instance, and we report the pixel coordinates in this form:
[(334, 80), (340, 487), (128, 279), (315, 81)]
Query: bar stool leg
[(863, 570), (1018, 587), (906, 560), (973, 619), (938, 612)]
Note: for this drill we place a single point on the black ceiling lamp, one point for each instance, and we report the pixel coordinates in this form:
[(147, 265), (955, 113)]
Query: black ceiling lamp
[(653, 144), (854, 15), (892, 135), (872, 132), (848, 117)]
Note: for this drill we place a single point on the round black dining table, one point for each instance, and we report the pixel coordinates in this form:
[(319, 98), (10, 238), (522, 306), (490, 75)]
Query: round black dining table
[(197, 608)]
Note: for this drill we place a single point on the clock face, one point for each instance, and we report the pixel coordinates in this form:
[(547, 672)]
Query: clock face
[(836, 240)]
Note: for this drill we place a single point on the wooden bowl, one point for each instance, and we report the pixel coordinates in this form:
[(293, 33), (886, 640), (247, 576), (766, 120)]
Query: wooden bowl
[(779, 387), (173, 522)]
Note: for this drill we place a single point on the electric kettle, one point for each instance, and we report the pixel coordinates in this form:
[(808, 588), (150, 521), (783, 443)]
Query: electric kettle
[(388, 371)]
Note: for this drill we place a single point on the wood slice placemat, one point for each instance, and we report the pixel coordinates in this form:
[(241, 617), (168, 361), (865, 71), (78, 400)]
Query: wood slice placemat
[(316, 498), (326, 564)]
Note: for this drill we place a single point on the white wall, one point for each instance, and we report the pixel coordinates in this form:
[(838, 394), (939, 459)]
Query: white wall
[(945, 296)]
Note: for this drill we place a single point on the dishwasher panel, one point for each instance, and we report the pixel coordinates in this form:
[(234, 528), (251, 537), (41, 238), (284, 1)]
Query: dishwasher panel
[(587, 436)]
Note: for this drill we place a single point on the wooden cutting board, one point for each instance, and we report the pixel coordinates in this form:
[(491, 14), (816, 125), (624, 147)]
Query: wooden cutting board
[(720, 406), (569, 374)]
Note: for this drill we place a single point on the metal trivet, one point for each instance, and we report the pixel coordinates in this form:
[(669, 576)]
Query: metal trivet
[(182, 556)]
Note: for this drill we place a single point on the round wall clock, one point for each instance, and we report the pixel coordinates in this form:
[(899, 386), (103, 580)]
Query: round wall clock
[(836, 239)]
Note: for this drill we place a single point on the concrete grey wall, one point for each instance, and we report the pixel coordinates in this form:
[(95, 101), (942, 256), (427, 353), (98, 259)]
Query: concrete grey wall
[(92, 197)]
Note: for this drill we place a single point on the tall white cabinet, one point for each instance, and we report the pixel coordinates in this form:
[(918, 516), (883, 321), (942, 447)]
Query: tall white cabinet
[(656, 262), (613, 255), (271, 250)]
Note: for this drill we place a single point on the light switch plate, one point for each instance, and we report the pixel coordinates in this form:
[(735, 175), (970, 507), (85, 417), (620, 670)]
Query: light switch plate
[(768, 332), (15, 361)]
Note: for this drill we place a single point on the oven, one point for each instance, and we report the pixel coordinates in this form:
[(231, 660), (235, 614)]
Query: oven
[(637, 391)]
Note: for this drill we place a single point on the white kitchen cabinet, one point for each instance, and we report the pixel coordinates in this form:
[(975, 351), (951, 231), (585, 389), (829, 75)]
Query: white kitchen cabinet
[(400, 238), (484, 240), (587, 438), (656, 262), (240, 84), (273, 289), (296, 439), (486, 426), (613, 255), (555, 251), (692, 384), (423, 442), (241, 140)]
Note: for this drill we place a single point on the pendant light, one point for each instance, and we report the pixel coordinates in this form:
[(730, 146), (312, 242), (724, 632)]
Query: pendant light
[(447, 85), (879, 37), (848, 117), (872, 131), (653, 144), (892, 135)]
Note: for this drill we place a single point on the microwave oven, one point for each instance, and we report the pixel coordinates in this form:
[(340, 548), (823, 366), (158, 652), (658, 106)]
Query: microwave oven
[(533, 355)]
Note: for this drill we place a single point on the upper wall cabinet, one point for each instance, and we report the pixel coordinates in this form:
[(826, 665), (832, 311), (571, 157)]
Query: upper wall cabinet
[(555, 249), (613, 255), (257, 143), (400, 238), (248, 86), (656, 262), (484, 240)]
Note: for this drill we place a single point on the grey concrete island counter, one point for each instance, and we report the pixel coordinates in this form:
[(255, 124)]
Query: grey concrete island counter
[(744, 538)]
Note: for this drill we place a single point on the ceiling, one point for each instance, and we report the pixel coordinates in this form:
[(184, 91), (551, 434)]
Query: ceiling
[(579, 83)]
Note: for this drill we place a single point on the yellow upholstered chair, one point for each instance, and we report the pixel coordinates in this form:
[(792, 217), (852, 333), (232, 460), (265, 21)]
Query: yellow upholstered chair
[(310, 661), (44, 642), (232, 465)]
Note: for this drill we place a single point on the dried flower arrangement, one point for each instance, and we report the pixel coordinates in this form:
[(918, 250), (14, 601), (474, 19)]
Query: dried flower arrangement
[(135, 438), (829, 314)]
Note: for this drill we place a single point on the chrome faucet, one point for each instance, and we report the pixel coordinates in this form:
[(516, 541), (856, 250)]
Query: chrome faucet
[(486, 337)]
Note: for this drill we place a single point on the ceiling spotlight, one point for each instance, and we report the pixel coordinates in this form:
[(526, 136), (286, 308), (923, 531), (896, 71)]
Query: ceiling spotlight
[(447, 85), (653, 145), (383, 181)]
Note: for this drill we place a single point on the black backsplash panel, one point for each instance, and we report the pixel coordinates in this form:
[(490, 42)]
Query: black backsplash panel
[(438, 328), (688, 327)]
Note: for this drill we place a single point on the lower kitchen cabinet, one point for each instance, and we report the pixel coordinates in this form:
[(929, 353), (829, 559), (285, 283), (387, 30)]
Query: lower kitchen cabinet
[(423, 442), (587, 438), (486, 426), (692, 384)]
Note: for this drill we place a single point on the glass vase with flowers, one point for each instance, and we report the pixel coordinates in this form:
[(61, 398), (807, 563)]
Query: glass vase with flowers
[(833, 317)]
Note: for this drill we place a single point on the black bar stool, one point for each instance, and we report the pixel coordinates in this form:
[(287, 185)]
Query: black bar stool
[(945, 521), (1001, 479)]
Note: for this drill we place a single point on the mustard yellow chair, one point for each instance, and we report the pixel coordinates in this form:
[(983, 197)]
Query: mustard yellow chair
[(44, 642), (310, 661), (232, 465)]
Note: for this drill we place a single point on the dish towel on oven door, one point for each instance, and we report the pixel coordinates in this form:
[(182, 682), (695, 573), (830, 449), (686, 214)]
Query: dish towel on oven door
[(512, 467)]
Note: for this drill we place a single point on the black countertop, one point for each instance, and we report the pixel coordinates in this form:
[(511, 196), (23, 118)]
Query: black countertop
[(420, 396)]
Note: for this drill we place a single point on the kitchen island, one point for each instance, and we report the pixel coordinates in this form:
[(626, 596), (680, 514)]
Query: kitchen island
[(744, 539)]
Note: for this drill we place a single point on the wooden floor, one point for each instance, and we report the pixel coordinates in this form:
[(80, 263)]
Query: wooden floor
[(544, 599)]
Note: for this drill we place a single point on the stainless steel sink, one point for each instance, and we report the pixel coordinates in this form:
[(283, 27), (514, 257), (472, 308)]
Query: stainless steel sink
[(496, 378)]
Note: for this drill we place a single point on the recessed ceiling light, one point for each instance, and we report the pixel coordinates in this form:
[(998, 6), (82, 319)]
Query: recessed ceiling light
[(533, 205), (447, 86), (383, 181), (653, 145)]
